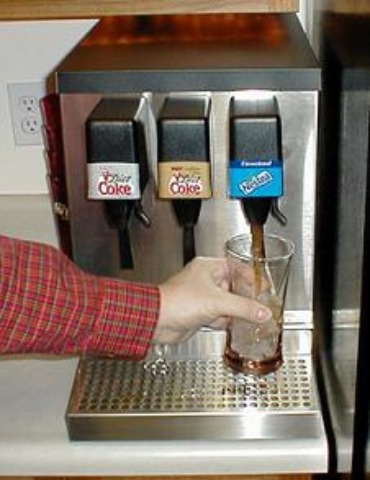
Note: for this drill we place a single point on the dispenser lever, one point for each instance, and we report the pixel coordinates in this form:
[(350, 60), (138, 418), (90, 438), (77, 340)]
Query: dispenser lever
[(184, 172), (125, 250), (256, 167), (277, 213), (188, 244), (141, 215), (117, 165)]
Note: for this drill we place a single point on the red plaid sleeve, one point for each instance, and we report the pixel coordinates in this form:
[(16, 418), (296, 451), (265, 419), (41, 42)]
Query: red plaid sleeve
[(49, 305)]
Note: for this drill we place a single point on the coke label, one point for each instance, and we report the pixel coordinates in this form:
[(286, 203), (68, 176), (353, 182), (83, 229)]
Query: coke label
[(184, 180), (113, 181)]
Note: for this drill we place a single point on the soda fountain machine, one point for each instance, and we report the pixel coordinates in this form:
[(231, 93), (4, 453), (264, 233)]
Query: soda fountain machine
[(200, 112)]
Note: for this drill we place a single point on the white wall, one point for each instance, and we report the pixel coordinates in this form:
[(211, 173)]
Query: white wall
[(29, 51)]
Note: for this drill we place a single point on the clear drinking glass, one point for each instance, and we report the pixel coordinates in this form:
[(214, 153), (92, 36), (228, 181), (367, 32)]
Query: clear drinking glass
[(256, 348)]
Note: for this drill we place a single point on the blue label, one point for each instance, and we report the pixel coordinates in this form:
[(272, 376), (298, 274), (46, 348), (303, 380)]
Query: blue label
[(256, 178)]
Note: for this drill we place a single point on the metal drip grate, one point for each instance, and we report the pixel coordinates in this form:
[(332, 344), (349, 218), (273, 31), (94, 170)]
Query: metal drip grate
[(189, 385), (187, 392)]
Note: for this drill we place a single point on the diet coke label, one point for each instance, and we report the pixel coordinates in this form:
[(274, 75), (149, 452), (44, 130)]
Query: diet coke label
[(184, 180), (113, 181), (186, 185)]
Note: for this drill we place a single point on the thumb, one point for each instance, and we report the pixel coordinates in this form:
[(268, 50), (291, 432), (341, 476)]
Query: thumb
[(233, 305)]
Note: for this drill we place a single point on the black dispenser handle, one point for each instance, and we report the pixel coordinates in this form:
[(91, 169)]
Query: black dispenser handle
[(187, 213), (257, 210), (188, 244), (256, 165), (184, 174), (125, 250), (118, 214), (117, 165)]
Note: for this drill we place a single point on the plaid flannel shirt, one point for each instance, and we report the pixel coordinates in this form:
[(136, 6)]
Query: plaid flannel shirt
[(49, 305)]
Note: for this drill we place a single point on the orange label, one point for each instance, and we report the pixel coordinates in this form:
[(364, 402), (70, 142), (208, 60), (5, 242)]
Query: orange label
[(184, 180)]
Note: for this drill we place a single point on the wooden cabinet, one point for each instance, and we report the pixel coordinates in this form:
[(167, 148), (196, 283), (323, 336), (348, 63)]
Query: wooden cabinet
[(189, 477), (349, 6), (49, 9)]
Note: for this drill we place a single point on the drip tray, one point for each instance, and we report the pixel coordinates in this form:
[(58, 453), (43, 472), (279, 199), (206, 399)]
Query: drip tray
[(187, 392)]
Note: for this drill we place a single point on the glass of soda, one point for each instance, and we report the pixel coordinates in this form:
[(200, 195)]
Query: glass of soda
[(251, 347)]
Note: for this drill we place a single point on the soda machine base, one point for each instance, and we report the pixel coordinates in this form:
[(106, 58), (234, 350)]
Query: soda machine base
[(189, 393)]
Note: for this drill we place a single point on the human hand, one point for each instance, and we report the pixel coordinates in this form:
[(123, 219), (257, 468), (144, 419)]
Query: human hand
[(198, 296)]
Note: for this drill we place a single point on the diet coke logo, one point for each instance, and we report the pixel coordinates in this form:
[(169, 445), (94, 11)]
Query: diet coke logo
[(185, 185), (115, 185)]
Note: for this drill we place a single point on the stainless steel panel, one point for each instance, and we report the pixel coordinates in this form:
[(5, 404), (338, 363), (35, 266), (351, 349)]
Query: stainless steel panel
[(353, 165), (342, 330), (342, 190), (339, 370), (187, 392), (342, 371), (157, 251)]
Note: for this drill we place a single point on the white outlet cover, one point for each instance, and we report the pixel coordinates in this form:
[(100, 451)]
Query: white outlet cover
[(24, 103)]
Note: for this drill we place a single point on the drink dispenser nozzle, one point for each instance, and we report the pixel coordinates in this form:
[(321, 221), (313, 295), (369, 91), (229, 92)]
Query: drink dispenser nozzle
[(256, 166), (184, 171), (117, 165)]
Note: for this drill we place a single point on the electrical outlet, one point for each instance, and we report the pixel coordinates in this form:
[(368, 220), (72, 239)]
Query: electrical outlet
[(31, 125), (24, 102)]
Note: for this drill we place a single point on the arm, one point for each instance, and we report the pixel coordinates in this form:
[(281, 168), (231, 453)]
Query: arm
[(48, 305)]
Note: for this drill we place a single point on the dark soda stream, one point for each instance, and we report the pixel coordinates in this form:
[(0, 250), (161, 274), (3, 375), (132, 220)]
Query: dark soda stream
[(256, 211), (258, 252)]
